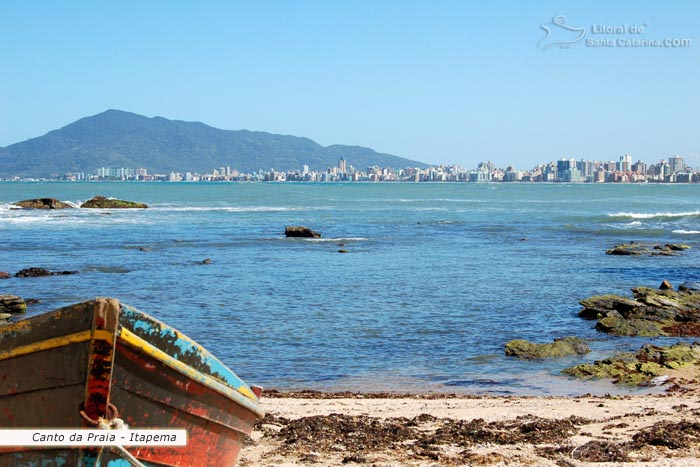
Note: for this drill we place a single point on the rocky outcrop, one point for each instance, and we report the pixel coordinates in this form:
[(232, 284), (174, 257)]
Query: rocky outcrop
[(650, 364), (563, 347), (652, 312), (100, 202), (4, 275), (300, 231), (41, 272), (12, 304), (689, 287), (646, 249), (43, 203)]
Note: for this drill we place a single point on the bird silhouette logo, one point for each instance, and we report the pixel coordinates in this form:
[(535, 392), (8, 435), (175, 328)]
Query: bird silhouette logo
[(559, 34)]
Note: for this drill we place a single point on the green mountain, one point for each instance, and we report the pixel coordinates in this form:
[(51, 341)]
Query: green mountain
[(122, 139)]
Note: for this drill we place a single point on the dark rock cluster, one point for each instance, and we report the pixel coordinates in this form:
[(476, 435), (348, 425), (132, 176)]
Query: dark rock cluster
[(43, 203), (651, 312), (647, 249), (300, 231), (41, 272), (96, 202), (639, 368), (12, 304), (100, 202)]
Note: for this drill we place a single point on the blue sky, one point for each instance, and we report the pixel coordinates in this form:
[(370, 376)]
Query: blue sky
[(440, 82)]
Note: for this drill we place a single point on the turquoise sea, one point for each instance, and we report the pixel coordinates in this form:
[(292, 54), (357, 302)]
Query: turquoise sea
[(437, 277)]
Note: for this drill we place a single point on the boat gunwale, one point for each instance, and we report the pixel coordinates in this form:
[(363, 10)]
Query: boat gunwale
[(127, 337)]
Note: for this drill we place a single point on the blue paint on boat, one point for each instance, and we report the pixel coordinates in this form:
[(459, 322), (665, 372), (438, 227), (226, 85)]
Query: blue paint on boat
[(124, 463), (140, 322)]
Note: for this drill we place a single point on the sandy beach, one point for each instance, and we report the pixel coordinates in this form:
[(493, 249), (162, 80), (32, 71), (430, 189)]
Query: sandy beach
[(388, 430)]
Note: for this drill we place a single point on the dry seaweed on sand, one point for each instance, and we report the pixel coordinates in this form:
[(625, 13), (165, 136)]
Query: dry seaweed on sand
[(422, 437)]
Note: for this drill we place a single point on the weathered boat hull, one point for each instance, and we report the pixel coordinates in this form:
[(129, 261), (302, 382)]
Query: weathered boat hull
[(103, 354)]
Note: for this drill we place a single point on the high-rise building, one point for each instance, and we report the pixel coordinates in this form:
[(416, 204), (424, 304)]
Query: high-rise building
[(676, 164), (663, 169), (625, 164), (566, 164), (481, 174), (342, 166), (587, 168), (549, 174), (567, 170), (639, 167)]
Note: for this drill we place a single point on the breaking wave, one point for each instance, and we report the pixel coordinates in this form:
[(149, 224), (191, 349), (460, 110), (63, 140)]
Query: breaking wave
[(225, 208), (686, 232), (655, 215)]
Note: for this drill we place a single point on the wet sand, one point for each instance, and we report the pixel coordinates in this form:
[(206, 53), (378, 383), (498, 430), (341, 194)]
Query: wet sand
[(390, 430)]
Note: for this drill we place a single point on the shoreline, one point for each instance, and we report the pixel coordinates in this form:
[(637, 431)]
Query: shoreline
[(429, 429)]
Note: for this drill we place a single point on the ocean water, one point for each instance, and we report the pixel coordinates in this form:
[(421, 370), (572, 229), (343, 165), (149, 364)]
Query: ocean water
[(437, 277)]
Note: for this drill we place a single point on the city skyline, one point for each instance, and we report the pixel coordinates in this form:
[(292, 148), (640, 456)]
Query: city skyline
[(564, 170), (448, 83)]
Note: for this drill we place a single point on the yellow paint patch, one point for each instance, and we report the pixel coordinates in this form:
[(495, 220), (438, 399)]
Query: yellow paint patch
[(55, 342)]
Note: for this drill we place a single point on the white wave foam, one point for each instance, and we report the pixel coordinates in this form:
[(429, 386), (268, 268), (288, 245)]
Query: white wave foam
[(642, 215), (686, 232), (226, 208), (340, 239), (21, 220), (627, 225), (9, 207)]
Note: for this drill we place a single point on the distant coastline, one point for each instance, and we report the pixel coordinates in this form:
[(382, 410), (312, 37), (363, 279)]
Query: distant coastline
[(118, 145), (675, 170)]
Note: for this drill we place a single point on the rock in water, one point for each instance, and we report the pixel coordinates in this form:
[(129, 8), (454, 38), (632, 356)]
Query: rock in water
[(100, 202), (43, 203), (33, 272), (652, 312), (12, 304), (665, 285), (300, 231), (41, 272), (564, 347), (4, 275), (677, 246), (4, 317), (689, 287), (649, 363), (646, 249)]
